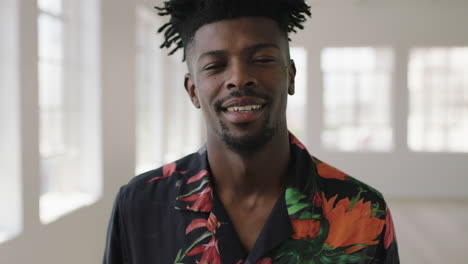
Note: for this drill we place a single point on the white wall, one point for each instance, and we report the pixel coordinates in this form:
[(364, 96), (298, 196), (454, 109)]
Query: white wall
[(400, 25), (79, 237)]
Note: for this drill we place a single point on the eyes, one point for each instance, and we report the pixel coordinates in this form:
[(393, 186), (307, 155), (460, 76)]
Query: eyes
[(220, 64)]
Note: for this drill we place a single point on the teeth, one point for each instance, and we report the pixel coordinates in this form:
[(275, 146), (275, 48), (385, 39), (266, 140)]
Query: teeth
[(244, 108)]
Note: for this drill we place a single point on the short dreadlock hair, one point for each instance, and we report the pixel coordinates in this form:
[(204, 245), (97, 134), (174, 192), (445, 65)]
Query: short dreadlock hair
[(187, 16)]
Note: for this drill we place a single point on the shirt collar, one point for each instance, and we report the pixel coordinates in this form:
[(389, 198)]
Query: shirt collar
[(196, 194), (196, 190)]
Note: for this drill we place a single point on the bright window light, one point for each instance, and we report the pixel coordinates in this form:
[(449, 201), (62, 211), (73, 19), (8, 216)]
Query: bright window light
[(296, 111), (69, 103), (357, 99), (438, 89), (168, 126), (184, 122), (150, 94), (51, 6), (11, 219)]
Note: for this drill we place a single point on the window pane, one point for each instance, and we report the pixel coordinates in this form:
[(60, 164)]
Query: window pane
[(183, 122), (438, 87), (296, 111), (69, 109), (168, 126), (51, 38), (11, 219), (150, 95), (52, 6), (357, 85), (51, 86)]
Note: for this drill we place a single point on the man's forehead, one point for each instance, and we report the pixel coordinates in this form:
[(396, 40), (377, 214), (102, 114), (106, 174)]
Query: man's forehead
[(246, 32)]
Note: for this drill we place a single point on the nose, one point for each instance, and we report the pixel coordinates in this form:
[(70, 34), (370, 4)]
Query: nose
[(240, 77)]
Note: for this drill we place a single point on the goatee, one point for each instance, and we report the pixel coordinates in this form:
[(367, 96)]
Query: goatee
[(248, 145)]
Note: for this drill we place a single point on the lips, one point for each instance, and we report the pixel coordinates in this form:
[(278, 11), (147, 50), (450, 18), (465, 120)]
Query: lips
[(243, 110), (242, 102)]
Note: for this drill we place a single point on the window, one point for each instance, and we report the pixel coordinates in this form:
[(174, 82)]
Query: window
[(10, 183), (357, 99), (68, 103), (168, 126), (150, 94), (438, 90), (184, 121), (296, 111)]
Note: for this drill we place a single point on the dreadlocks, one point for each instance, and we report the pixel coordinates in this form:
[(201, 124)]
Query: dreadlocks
[(187, 16)]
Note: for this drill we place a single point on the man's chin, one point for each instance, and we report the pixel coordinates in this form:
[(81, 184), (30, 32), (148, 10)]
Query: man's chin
[(247, 143)]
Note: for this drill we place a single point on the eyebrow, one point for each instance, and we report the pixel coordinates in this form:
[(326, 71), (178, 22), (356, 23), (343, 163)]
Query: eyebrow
[(250, 49)]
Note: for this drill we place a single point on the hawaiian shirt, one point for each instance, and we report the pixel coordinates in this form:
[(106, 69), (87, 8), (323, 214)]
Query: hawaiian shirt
[(324, 216)]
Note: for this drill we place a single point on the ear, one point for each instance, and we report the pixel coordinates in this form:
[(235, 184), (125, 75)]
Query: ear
[(190, 88), (292, 76)]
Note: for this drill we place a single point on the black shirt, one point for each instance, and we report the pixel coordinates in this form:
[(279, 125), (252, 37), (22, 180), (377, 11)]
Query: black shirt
[(173, 215)]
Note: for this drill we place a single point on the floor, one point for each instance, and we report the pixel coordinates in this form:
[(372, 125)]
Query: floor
[(431, 232)]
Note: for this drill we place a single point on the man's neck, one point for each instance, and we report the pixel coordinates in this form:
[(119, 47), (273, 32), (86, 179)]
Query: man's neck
[(262, 174)]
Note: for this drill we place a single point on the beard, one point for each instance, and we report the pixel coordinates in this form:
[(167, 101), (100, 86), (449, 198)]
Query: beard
[(251, 144)]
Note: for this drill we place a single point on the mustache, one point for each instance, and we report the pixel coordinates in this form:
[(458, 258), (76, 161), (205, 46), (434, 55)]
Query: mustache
[(247, 92)]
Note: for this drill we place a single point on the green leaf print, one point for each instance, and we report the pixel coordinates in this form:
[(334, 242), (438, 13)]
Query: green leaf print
[(293, 196), (342, 258), (309, 215), (202, 184), (296, 208), (181, 254), (356, 198), (376, 210)]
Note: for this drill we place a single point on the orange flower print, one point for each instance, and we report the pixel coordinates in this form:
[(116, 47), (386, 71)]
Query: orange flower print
[(305, 228), (351, 226), (389, 230), (326, 171)]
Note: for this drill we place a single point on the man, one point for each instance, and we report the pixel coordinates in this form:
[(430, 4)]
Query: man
[(253, 194)]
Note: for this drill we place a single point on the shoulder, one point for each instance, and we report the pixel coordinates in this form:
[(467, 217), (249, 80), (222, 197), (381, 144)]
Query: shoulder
[(337, 185), (158, 186)]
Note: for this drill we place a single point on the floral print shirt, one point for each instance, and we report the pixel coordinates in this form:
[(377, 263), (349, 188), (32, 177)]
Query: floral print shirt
[(173, 215)]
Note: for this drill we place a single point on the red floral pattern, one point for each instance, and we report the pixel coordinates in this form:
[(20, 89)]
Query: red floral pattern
[(317, 200), (168, 170), (210, 252), (203, 201), (296, 142), (198, 176), (328, 228), (389, 237), (264, 261), (211, 224)]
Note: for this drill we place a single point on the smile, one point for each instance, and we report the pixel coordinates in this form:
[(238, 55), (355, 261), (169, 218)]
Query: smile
[(245, 108), (243, 113)]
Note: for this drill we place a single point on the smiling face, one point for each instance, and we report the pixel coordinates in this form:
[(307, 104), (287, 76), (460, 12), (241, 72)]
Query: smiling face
[(240, 76)]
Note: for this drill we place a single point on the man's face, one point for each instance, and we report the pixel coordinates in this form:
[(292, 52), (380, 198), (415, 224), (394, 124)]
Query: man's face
[(240, 76)]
